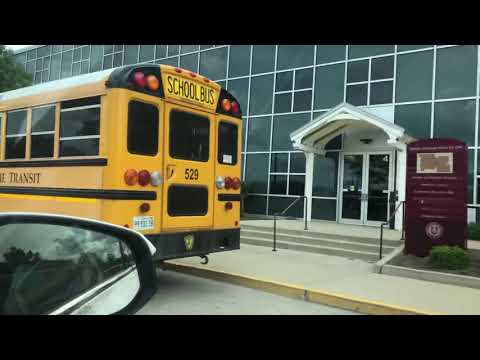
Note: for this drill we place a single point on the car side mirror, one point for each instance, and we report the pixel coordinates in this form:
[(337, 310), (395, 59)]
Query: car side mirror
[(60, 265)]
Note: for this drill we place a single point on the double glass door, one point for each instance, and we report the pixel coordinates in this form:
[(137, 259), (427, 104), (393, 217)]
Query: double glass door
[(366, 184)]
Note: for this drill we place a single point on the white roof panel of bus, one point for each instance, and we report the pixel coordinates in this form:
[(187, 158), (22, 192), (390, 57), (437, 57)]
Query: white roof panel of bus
[(55, 85)]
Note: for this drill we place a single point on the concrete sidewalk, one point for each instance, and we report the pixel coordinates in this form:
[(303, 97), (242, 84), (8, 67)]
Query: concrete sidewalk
[(322, 275)]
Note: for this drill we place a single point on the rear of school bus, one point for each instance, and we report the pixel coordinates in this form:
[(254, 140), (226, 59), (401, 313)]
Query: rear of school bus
[(177, 139), (166, 160)]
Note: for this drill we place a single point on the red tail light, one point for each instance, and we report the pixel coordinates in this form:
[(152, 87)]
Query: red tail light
[(144, 177), (131, 177), (228, 182), (145, 207), (139, 78), (228, 206), (236, 183), (235, 107)]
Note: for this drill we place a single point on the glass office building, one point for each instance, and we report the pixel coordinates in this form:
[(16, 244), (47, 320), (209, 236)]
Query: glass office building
[(427, 90)]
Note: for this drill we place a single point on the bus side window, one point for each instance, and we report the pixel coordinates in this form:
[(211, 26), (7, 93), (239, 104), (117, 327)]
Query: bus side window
[(227, 143), (43, 132), (143, 124), (16, 134)]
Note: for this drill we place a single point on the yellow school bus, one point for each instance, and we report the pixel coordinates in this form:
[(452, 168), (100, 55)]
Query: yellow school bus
[(151, 147)]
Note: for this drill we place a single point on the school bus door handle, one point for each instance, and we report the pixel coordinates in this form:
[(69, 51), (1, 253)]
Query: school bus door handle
[(170, 171)]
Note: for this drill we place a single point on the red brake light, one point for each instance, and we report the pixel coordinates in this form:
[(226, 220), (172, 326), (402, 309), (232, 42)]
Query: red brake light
[(131, 177), (228, 183), (228, 206), (235, 107), (139, 78), (145, 207), (236, 183), (144, 177), (226, 105)]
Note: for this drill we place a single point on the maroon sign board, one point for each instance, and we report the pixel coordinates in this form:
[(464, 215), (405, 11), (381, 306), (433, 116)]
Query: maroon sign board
[(436, 195)]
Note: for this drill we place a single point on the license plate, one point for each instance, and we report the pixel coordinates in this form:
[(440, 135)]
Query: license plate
[(143, 222)]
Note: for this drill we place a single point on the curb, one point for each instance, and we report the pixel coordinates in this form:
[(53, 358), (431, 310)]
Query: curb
[(297, 291)]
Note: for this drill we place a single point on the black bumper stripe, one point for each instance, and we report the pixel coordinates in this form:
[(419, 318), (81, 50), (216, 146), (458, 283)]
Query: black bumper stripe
[(54, 163), (82, 193), (229, 197)]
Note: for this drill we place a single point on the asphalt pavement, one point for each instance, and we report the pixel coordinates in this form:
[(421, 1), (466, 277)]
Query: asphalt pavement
[(180, 294)]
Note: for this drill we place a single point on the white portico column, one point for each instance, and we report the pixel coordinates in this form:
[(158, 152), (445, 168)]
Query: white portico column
[(309, 182), (401, 183)]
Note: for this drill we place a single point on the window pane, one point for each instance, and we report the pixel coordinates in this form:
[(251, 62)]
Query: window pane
[(44, 51), (302, 101), (357, 94), (303, 78), (161, 51), (411, 47), (189, 136), (67, 59), (324, 209), (79, 147), (414, 76), (259, 133), (213, 63), (357, 51), (263, 59), (297, 162), (279, 163), (117, 59), (131, 54), (283, 125), (239, 60), (15, 147), (255, 204), (278, 184), (32, 54), (43, 119), (84, 67), (16, 122), (280, 203), (80, 122), (117, 48), (455, 119), (76, 69), (227, 143), (415, 119), (180, 200), (261, 93), (382, 68), (188, 48), (171, 61), (96, 58), (335, 143), (189, 62), (239, 89), (329, 82), (146, 53), (173, 50), (456, 72), (42, 146), (256, 173), (284, 81), (357, 71), (292, 56), (283, 103), (108, 62), (381, 92), (325, 172), (330, 53), (85, 52), (143, 124), (296, 185)]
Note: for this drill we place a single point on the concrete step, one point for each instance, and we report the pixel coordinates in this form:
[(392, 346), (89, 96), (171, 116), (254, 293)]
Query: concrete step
[(308, 240), (262, 231), (352, 254)]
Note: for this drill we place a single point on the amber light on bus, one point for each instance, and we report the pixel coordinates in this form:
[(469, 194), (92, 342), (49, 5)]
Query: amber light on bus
[(131, 177)]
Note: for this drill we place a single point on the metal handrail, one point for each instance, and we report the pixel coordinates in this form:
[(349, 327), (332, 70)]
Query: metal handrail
[(283, 213), (402, 203)]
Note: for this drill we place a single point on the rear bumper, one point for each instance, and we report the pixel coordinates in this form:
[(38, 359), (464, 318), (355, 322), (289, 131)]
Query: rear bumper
[(173, 245)]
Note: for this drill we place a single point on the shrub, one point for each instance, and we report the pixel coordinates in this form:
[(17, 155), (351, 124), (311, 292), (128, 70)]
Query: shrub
[(474, 231), (449, 257)]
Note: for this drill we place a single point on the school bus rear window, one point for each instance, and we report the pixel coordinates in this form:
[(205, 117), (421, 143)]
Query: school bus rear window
[(227, 143), (143, 124), (189, 136)]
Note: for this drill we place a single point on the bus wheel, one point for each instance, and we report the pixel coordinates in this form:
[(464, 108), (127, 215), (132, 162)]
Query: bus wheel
[(204, 259)]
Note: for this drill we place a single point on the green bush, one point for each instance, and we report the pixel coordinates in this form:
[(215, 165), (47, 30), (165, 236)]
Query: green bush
[(474, 231), (449, 257)]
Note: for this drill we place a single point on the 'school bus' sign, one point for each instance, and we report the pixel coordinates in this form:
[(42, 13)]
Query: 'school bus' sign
[(436, 195)]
